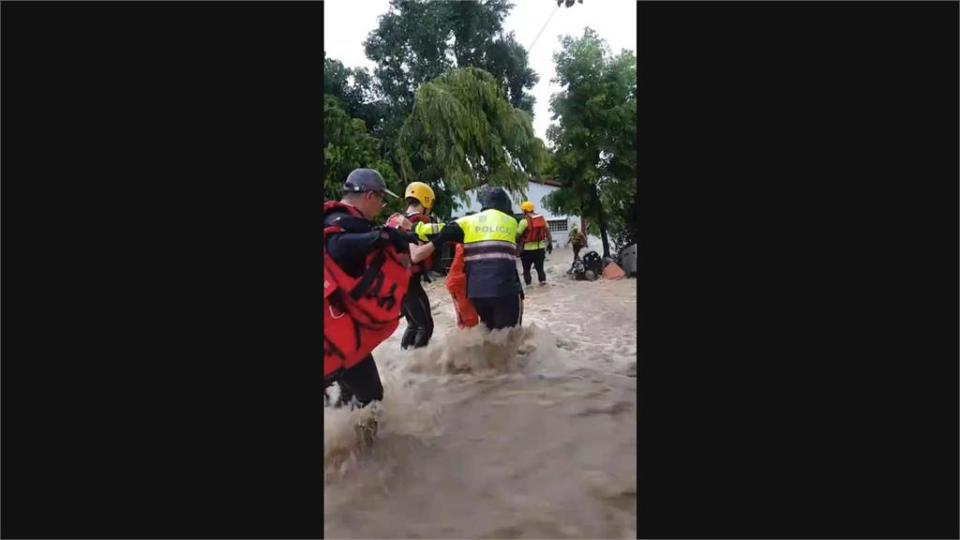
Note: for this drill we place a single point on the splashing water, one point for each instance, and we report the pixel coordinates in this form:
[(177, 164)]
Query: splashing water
[(525, 432)]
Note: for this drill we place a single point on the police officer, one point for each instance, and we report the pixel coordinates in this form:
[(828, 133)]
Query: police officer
[(489, 245), (363, 199)]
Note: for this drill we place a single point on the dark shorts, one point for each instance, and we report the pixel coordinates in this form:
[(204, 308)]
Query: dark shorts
[(496, 313)]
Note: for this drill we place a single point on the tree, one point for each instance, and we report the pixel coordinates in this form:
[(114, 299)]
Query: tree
[(348, 146), (568, 2), (463, 133), (507, 60), (418, 41), (336, 82), (420, 93), (354, 89), (619, 199), (594, 141)]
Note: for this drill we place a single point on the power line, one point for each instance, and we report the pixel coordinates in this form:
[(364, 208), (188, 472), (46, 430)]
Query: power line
[(530, 48)]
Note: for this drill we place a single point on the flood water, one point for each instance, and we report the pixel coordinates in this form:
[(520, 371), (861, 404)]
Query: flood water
[(524, 433)]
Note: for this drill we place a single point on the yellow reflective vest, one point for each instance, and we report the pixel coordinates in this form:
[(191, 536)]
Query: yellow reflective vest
[(489, 249)]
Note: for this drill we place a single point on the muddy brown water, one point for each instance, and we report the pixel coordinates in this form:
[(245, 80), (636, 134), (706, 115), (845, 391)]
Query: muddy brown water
[(528, 433)]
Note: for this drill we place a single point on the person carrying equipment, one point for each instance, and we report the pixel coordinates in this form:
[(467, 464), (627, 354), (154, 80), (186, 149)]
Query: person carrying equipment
[(489, 245), (416, 304), (534, 236), (456, 284), (577, 240), (365, 277)]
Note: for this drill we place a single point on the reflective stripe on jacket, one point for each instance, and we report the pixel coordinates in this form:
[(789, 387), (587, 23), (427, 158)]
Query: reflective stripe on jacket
[(489, 248)]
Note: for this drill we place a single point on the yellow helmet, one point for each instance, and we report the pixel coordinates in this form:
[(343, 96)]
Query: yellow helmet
[(422, 193), (526, 206)]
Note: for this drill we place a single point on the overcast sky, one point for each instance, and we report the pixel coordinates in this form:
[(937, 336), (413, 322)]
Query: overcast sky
[(346, 24)]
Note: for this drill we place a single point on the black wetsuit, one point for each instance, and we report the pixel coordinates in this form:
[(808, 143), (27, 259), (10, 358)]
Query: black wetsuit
[(416, 309), (416, 304)]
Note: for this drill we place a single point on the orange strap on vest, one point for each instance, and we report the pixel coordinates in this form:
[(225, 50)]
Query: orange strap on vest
[(359, 313)]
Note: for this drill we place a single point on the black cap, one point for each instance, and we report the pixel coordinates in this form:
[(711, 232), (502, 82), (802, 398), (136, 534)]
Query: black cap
[(360, 180), (496, 198)]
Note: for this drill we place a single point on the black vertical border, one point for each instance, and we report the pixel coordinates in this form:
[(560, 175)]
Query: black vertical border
[(161, 201), (798, 292)]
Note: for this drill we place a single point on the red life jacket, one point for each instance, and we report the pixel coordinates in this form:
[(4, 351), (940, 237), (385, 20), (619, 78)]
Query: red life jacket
[(359, 313), (426, 264), (536, 230)]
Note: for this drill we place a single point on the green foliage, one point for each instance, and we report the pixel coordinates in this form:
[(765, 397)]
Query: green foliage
[(418, 41), (507, 59), (348, 146), (619, 201), (569, 3), (336, 81), (354, 89), (462, 133), (595, 138), (429, 113)]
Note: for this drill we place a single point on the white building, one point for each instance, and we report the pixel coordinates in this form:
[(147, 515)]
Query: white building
[(537, 189)]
